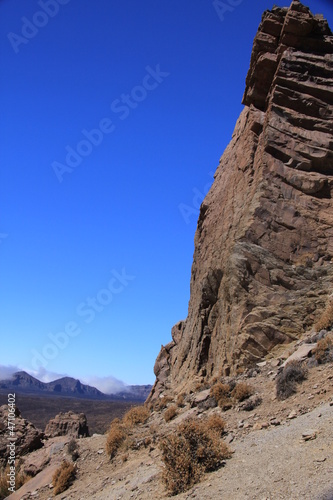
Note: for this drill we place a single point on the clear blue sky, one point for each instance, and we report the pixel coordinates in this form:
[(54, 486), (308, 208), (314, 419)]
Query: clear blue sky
[(101, 261)]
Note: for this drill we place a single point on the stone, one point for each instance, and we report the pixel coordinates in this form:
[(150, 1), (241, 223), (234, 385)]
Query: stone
[(309, 435), (200, 397), (292, 414), (262, 271), (300, 354), (68, 424), (28, 438)]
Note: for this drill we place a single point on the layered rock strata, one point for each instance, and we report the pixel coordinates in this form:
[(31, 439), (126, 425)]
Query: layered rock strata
[(262, 269)]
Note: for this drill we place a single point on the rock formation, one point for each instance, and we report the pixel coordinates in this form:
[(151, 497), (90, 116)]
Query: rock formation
[(27, 437), (262, 269), (68, 424)]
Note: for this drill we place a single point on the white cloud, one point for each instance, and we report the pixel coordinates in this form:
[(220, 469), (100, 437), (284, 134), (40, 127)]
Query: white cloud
[(108, 385), (45, 375)]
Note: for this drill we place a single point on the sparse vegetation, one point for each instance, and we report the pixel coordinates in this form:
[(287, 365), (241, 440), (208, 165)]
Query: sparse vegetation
[(115, 438), (170, 413), (20, 479), (326, 319), (180, 400), (220, 391), (72, 449), (63, 477), (163, 403), (324, 350), (215, 423), (136, 415), (286, 382), (242, 391), (196, 448)]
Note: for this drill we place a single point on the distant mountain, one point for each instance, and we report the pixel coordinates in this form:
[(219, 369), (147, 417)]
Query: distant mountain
[(23, 383)]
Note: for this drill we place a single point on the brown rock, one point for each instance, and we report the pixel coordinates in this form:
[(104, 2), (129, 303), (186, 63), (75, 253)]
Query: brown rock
[(27, 437), (262, 270), (68, 424)]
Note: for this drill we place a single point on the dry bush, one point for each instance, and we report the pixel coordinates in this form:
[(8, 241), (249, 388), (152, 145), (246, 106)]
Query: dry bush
[(215, 423), (63, 477), (180, 400), (220, 391), (136, 415), (170, 413), (191, 451), (242, 391), (225, 403), (73, 449), (163, 402), (324, 350), (326, 319), (20, 480), (286, 382), (115, 439)]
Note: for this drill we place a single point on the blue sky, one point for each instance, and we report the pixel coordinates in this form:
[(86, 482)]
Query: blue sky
[(114, 114)]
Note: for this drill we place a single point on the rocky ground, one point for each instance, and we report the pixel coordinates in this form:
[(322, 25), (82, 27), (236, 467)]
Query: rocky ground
[(282, 449)]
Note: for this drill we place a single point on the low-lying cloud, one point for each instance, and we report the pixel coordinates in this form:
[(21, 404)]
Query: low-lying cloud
[(108, 385)]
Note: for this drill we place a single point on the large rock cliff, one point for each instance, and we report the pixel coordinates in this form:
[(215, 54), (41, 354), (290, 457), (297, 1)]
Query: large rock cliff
[(262, 269)]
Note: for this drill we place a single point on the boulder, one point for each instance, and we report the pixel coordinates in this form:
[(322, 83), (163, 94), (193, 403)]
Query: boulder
[(27, 437), (68, 424)]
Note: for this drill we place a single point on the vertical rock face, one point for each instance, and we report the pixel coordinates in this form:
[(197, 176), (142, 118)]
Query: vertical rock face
[(262, 268)]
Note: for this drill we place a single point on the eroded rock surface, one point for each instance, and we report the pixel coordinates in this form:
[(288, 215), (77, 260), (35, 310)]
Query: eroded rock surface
[(27, 437), (262, 270), (68, 424)]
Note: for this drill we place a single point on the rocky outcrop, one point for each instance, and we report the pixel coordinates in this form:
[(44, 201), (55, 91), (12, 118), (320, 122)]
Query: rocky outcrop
[(262, 269), (68, 424), (27, 437)]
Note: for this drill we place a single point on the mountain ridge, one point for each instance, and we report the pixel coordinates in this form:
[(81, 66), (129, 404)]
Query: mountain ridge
[(24, 383)]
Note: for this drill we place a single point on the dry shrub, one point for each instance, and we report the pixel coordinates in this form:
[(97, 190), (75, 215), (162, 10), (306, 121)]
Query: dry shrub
[(326, 319), (170, 413), (20, 480), (191, 451), (163, 402), (286, 382), (220, 391), (115, 439), (180, 400), (73, 449), (324, 350), (215, 423), (136, 415), (63, 477), (242, 391)]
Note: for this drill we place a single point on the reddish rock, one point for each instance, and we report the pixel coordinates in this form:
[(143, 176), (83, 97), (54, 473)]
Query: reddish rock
[(262, 270)]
